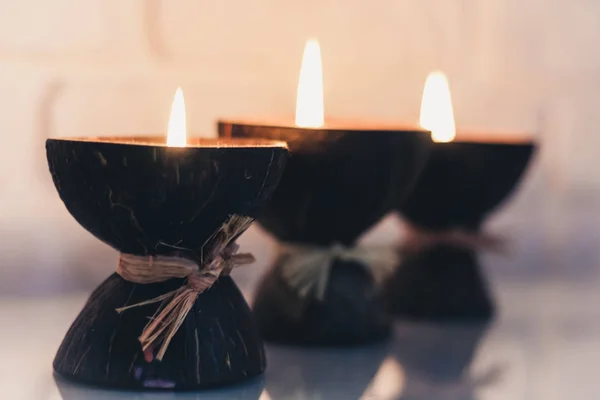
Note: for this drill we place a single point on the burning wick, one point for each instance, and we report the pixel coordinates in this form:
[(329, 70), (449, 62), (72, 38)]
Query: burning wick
[(177, 132), (309, 103), (437, 114)]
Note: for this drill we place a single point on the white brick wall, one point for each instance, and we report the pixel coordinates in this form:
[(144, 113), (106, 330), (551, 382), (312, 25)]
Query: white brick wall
[(90, 67)]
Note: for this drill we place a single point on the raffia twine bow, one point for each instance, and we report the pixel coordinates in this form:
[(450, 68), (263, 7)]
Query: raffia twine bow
[(306, 269), (419, 239), (177, 303)]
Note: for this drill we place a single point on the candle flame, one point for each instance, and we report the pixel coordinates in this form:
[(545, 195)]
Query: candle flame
[(176, 135), (437, 114), (309, 103)]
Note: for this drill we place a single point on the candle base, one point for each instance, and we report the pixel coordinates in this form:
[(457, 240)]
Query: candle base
[(351, 313), (440, 284), (218, 343)]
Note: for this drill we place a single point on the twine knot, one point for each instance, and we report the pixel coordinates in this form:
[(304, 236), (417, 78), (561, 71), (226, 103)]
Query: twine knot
[(178, 303), (420, 239), (306, 269)]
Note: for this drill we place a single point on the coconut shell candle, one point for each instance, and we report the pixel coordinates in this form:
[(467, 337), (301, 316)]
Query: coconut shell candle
[(468, 175), (340, 180), (170, 317)]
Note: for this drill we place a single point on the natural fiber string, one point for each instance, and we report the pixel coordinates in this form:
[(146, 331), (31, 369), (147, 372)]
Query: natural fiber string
[(420, 239), (306, 269), (152, 269)]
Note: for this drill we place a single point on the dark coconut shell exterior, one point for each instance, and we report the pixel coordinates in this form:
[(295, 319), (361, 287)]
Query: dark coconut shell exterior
[(157, 200), (146, 199), (338, 183), (218, 343), (352, 312), (461, 184), (464, 181), (441, 284)]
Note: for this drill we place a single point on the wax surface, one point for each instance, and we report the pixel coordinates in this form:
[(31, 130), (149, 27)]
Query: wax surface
[(191, 142), (348, 125), (335, 124)]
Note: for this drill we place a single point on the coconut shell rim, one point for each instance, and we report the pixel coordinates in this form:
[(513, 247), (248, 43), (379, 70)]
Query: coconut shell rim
[(159, 142), (350, 129), (526, 142)]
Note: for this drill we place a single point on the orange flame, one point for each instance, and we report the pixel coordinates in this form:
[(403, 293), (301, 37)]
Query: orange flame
[(437, 114), (309, 102), (177, 133)]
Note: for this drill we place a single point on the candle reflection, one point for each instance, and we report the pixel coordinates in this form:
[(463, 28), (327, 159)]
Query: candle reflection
[(319, 373), (66, 390), (389, 382), (437, 360)]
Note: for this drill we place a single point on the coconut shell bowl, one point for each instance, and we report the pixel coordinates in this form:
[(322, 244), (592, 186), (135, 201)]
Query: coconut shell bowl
[(463, 182), (323, 290), (173, 214)]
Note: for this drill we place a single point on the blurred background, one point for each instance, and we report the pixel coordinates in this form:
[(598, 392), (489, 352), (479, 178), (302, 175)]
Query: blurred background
[(106, 67), (98, 67)]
